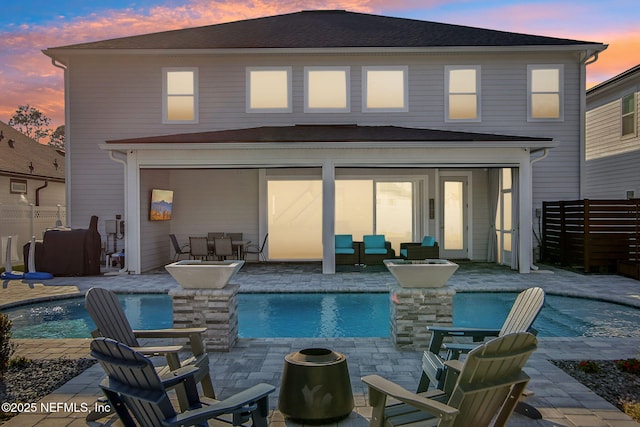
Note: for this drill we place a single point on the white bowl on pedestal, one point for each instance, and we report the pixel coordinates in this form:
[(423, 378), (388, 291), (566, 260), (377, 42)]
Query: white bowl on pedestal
[(196, 274), (426, 273)]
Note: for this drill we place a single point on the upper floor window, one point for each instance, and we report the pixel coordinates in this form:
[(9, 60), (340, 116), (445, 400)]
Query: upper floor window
[(384, 89), (629, 114), (180, 95), (326, 89), (269, 89), (545, 83), (462, 97)]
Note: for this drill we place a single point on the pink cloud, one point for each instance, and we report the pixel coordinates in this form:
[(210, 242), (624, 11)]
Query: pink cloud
[(28, 77)]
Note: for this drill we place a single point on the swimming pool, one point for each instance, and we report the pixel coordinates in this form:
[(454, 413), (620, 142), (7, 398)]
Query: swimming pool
[(331, 315)]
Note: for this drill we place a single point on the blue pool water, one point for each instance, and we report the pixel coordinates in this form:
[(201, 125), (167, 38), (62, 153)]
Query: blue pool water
[(331, 315)]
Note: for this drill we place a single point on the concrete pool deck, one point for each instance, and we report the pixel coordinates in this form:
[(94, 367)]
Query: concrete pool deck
[(562, 400)]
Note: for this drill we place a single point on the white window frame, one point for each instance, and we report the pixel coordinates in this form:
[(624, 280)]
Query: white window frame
[(165, 95), (447, 94), (286, 109), (405, 88), (633, 114), (560, 69), (347, 71)]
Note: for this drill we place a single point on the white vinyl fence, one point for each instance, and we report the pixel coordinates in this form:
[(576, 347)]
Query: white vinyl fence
[(23, 221)]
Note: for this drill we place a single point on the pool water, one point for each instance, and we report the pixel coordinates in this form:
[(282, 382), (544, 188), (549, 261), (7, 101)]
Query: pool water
[(313, 315), (331, 315)]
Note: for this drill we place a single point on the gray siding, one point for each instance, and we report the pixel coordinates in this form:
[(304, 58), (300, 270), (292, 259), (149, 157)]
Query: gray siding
[(611, 160), (117, 97)]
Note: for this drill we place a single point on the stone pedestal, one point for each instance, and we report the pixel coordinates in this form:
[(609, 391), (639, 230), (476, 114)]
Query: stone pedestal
[(413, 309), (215, 309)]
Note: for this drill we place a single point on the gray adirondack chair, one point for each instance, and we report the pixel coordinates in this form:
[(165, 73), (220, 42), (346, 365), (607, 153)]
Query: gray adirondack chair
[(490, 382), (136, 391), (107, 313), (523, 313)]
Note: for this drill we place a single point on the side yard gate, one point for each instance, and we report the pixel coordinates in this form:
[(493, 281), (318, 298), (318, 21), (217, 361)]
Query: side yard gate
[(595, 235)]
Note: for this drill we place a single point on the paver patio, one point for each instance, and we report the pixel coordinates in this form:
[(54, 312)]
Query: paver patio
[(562, 400)]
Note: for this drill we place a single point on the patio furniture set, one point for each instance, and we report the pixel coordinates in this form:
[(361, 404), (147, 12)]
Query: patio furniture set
[(219, 245), (482, 390), (374, 249)]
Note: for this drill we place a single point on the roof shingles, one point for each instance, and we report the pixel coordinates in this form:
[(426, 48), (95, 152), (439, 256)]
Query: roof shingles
[(326, 29), (26, 158), (324, 133)]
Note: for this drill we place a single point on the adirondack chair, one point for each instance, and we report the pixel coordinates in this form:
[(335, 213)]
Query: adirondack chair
[(523, 313), (107, 313), (136, 391), (490, 382)]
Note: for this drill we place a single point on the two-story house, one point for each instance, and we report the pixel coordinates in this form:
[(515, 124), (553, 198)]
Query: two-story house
[(612, 141), (316, 123)]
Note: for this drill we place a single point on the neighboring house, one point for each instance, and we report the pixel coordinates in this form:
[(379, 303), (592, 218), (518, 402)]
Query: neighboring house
[(317, 123), (30, 172), (612, 143), (32, 187)]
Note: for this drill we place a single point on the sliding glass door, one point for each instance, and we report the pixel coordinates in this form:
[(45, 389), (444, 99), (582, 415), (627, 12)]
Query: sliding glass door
[(295, 219), (363, 206)]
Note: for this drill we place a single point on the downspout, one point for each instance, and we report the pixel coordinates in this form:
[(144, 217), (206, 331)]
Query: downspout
[(125, 267), (46, 184), (545, 153), (67, 173), (589, 58)]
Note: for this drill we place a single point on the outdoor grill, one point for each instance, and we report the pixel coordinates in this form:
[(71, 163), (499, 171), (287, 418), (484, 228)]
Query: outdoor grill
[(315, 386)]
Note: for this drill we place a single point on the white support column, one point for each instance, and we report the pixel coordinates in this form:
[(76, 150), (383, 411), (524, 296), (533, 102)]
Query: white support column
[(132, 214), (328, 217), (526, 221)]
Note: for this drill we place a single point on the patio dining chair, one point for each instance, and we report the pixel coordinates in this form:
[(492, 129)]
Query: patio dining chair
[(111, 321), (485, 392), (179, 250), (223, 247), (136, 391), (199, 248), (257, 250)]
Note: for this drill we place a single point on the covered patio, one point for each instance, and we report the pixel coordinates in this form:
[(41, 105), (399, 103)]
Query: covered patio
[(239, 165)]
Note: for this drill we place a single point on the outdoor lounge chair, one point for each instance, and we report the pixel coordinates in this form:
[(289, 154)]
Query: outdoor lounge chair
[(427, 249), (179, 250), (487, 389), (136, 391), (107, 313), (523, 313), (375, 249), (347, 251)]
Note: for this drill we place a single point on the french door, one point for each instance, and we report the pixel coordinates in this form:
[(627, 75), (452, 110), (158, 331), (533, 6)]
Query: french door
[(454, 214)]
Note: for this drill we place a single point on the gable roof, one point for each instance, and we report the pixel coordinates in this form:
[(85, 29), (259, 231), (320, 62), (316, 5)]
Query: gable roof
[(23, 157), (326, 29), (326, 133), (629, 76)]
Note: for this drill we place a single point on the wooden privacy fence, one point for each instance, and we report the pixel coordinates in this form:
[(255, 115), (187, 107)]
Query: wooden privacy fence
[(597, 235)]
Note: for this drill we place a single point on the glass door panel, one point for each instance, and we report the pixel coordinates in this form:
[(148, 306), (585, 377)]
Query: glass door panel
[(454, 218), (354, 215), (394, 212), (295, 219)]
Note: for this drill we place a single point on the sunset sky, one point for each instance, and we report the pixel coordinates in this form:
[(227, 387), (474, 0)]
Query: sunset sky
[(29, 26)]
